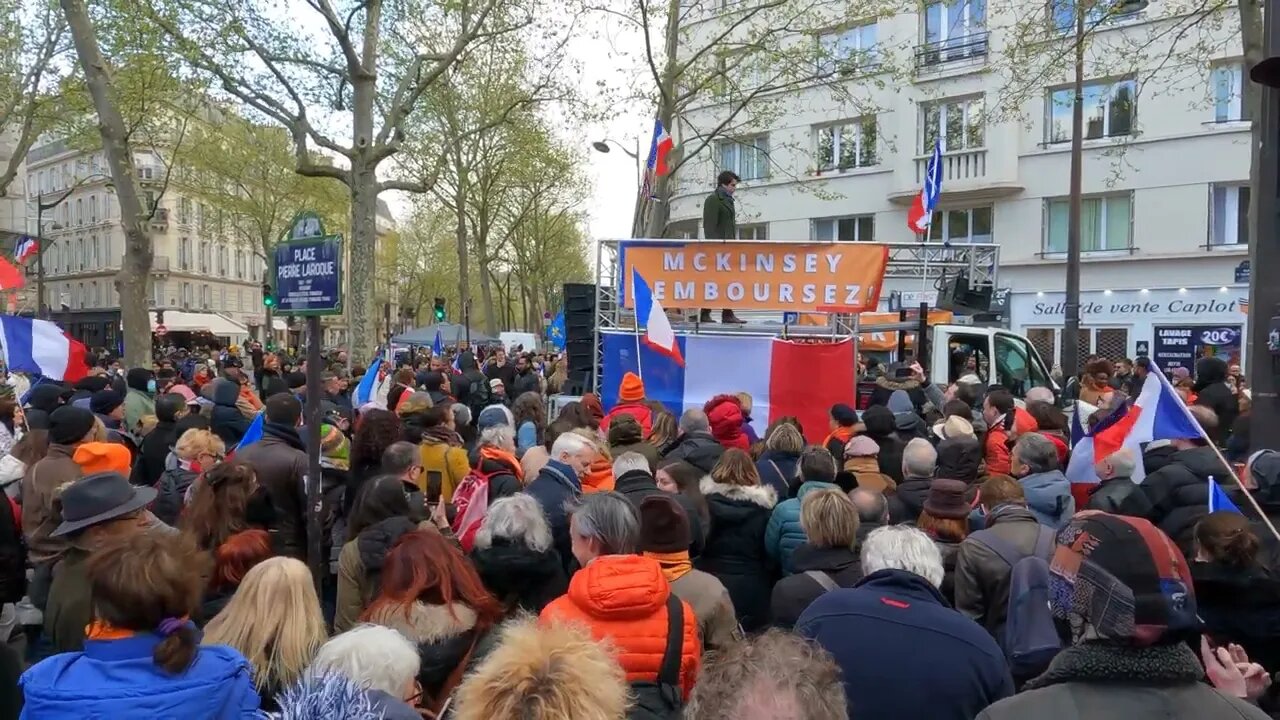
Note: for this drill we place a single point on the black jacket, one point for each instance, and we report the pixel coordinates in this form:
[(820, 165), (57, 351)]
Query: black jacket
[(1242, 606), (1120, 496), (502, 481), (226, 420), (907, 502), (779, 471), (1212, 392), (521, 578), (270, 383), (1179, 493), (152, 453), (884, 387), (13, 557), (793, 593), (281, 464), (735, 551), (523, 383), (172, 494), (636, 486), (471, 388), (699, 449), (506, 373)]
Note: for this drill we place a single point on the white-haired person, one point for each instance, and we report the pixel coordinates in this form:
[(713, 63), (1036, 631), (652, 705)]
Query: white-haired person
[(515, 558), (494, 457), (903, 651), (560, 482), (368, 671)]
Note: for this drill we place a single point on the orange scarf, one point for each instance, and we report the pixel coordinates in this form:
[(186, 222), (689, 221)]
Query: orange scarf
[(599, 477), (674, 565), (103, 630), (504, 457), (843, 434)]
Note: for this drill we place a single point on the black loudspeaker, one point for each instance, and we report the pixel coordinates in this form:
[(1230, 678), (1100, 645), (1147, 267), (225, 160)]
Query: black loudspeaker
[(579, 333)]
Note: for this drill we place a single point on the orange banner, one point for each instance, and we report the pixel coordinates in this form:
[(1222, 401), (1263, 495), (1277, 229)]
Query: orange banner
[(827, 277), (887, 341)]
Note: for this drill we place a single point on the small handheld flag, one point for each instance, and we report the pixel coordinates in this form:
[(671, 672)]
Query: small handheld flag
[(254, 433), (1218, 499), (437, 347), (555, 332), (364, 391), (26, 248), (920, 215)]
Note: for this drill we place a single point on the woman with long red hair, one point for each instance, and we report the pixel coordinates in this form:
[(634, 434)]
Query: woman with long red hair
[(231, 561), (432, 595)]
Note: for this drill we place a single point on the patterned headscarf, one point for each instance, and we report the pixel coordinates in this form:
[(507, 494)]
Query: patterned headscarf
[(1123, 578)]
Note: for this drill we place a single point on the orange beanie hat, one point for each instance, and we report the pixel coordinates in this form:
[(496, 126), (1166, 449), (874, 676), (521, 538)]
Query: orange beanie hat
[(632, 388), (97, 457)]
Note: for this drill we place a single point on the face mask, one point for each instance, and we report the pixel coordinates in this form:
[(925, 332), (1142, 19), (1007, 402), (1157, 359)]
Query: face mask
[(151, 386)]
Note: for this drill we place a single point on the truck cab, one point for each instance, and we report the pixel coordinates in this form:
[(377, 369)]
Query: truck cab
[(998, 357)]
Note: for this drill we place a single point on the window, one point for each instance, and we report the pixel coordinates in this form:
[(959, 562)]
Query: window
[(186, 294), (184, 253), (78, 217), (1105, 224), (748, 158), (184, 210), (972, 225), (1044, 340), (1108, 111), (78, 258), (759, 231), (859, 228), (93, 209), (157, 293), (741, 72), (94, 299), (148, 202), (1063, 14), (95, 258), (848, 50), (848, 145), (202, 213), (146, 172), (1228, 92), (204, 256), (1016, 366), (954, 30), (1229, 215), (239, 264), (206, 296), (222, 260), (957, 124)]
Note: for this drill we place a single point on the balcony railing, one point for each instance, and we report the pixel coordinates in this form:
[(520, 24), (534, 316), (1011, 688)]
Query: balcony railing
[(973, 46), (160, 264), (956, 165)]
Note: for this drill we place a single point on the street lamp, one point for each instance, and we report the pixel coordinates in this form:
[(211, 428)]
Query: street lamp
[(41, 206), (1071, 309), (602, 146)]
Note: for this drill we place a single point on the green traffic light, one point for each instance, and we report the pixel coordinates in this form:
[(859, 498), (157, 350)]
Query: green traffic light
[(269, 301), (439, 315)]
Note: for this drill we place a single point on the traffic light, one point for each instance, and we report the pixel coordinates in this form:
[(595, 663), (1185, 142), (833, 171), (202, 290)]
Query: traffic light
[(439, 309), (268, 296)]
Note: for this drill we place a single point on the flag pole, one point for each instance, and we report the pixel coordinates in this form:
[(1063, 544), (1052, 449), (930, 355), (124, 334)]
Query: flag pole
[(639, 372)]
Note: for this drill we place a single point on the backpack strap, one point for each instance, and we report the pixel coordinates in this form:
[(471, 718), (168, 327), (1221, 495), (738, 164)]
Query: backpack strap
[(827, 582), (669, 674), (1045, 542), (999, 546)]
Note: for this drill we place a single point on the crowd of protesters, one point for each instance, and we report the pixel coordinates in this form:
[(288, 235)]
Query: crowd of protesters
[(482, 559)]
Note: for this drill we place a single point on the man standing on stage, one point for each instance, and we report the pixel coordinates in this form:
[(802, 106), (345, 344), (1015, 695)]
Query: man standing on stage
[(719, 223)]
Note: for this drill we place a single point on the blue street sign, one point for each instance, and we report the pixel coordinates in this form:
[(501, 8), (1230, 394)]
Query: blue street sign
[(308, 273), (790, 318)]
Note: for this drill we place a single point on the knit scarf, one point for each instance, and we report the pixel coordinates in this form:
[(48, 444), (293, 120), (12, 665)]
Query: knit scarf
[(674, 565), (841, 433), (1155, 665), (103, 630), (442, 434), (504, 457)]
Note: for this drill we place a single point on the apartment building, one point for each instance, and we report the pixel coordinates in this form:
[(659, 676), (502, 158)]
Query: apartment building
[(1166, 165), (200, 275)]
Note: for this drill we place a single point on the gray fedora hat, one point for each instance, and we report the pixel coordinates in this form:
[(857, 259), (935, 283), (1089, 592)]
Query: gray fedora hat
[(100, 497)]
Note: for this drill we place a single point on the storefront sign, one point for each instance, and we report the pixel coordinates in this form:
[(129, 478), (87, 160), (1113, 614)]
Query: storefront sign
[(822, 277), (1110, 309), (1182, 346)]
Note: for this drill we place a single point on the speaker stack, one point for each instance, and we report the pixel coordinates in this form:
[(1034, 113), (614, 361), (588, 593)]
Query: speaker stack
[(579, 335)]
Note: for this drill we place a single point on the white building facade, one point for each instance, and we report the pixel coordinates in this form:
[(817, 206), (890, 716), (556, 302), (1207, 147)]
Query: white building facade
[(1166, 167)]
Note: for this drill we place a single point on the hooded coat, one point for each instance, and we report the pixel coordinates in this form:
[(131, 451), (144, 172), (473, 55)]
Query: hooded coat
[(225, 419), (520, 577), (1213, 392), (959, 458), (907, 502), (1049, 497), (724, 413), (885, 387), (880, 424), (139, 401), (735, 549), (1179, 494), (555, 486), (625, 438), (445, 636), (359, 566), (784, 535), (624, 598)]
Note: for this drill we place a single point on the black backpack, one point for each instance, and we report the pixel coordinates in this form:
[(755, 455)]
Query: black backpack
[(663, 700)]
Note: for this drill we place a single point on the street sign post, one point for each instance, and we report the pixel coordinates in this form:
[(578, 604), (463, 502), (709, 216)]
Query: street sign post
[(307, 269)]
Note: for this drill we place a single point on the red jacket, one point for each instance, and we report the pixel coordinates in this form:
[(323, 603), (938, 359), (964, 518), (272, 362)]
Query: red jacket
[(997, 451), (624, 598), (641, 412)]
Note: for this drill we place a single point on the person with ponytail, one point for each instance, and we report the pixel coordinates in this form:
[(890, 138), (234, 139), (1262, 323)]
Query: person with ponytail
[(142, 657), (1237, 595), (433, 595)]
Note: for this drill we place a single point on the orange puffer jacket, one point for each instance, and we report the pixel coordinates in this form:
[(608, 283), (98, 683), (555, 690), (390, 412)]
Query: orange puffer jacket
[(623, 598), (998, 455)]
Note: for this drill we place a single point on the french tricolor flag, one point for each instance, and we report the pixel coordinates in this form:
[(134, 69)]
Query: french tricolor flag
[(26, 248), (920, 216), (41, 348), (783, 378), (659, 149), (1157, 414), (649, 314)]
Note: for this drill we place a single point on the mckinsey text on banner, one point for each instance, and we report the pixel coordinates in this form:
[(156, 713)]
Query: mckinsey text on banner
[(759, 275)]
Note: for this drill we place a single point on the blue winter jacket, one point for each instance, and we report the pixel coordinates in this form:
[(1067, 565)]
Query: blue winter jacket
[(784, 533), (555, 485), (1049, 497), (119, 679), (904, 652)]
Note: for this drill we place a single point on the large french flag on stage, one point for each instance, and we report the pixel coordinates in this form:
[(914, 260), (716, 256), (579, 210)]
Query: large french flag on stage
[(784, 378), (1157, 414)]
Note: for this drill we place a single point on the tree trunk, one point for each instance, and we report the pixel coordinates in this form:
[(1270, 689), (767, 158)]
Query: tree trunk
[(364, 242), (460, 233), (134, 279), (486, 294), (660, 208)]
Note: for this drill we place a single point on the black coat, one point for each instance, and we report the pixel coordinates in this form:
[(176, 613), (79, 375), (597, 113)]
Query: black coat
[(1212, 392), (735, 551), (1242, 606), (906, 504), (281, 464), (152, 453), (270, 383), (520, 578), (793, 593), (1120, 496), (699, 449), (1179, 493), (636, 486), (13, 557), (884, 387), (226, 420), (779, 471), (528, 382)]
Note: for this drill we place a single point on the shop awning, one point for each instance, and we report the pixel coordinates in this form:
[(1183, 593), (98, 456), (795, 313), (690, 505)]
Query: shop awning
[(181, 321)]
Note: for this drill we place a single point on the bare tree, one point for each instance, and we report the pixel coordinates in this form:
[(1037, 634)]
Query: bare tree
[(27, 79)]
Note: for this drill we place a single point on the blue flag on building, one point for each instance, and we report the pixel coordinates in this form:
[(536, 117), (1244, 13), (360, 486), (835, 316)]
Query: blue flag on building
[(1218, 499), (555, 332)]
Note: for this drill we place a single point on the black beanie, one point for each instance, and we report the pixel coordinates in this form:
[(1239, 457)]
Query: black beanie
[(104, 401), (69, 424), (664, 526), (137, 378)]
